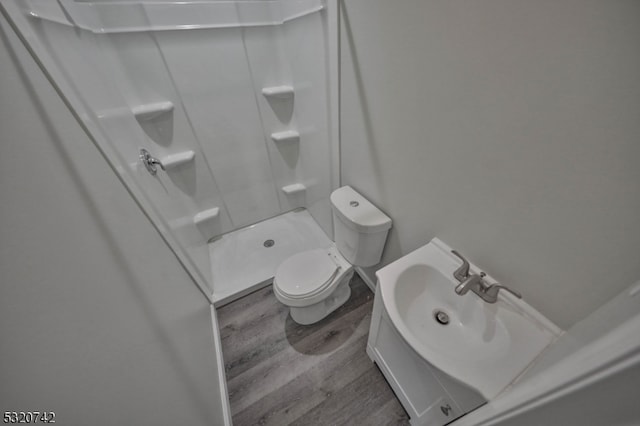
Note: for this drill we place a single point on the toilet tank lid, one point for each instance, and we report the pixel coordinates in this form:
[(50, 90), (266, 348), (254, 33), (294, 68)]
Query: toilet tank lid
[(358, 212)]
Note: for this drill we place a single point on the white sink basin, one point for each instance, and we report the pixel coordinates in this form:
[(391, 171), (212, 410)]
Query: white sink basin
[(484, 346)]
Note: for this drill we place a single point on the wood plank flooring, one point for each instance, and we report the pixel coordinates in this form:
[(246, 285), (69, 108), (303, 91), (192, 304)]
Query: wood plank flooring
[(281, 373)]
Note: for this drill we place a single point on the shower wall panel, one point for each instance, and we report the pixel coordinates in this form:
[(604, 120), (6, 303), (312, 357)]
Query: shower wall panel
[(142, 71), (213, 80), (306, 46), (137, 64), (210, 70), (88, 67), (295, 54), (269, 67)]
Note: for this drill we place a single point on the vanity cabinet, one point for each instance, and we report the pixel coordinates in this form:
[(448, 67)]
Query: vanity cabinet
[(429, 396)]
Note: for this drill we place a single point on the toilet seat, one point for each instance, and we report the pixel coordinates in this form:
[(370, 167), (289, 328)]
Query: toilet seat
[(313, 283), (306, 274)]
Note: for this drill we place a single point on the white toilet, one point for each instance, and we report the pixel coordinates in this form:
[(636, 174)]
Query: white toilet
[(314, 283)]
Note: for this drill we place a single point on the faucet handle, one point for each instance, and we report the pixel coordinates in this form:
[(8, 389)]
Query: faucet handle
[(462, 273), (491, 292)]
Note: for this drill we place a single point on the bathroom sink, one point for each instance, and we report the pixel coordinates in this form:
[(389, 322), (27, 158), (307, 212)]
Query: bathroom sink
[(485, 346), (423, 294)]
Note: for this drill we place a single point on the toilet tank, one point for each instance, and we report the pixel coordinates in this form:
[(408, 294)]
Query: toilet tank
[(360, 228)]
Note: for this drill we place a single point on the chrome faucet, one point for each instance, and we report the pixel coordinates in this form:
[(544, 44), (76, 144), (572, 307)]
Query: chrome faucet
[(477, 284), (473, 282)]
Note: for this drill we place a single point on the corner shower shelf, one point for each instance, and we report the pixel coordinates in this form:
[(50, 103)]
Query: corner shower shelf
[(294, 189), (146, 112), (178, 159), (286, 136), (278, 92), (206, 216)]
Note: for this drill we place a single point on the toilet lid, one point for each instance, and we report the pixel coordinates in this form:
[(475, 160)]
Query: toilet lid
[(306, 273)]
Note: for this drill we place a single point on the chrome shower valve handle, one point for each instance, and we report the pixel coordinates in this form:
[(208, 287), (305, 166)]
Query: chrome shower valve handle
[(150, 162)]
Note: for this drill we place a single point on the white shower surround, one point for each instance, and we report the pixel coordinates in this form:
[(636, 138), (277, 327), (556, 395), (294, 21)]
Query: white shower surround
[(213, 76)]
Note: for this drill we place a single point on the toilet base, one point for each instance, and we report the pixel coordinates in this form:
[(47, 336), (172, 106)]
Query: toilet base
[(313, 313)]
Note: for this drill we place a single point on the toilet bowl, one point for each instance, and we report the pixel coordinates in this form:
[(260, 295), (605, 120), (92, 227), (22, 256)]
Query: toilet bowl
[(314, 283)]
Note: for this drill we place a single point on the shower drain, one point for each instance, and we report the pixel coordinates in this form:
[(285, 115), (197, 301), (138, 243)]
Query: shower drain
[(269, 243)]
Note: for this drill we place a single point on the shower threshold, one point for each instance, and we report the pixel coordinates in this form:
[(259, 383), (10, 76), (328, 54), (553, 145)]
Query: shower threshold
[(245, 260)]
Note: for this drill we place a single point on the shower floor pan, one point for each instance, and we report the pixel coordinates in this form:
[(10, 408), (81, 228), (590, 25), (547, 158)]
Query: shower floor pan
[(246, 259)]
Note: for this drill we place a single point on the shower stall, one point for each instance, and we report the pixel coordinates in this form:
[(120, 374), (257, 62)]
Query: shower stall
[(218, 117)]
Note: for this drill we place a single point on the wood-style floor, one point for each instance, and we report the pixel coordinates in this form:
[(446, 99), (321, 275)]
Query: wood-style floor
[(281, 373)]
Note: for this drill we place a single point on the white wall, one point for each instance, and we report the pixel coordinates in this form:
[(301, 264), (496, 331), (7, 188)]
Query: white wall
[(601, 324), (507, 128), (98, 320)]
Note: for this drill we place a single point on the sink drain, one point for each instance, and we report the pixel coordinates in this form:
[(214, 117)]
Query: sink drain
[(441, 317), (268, 243)]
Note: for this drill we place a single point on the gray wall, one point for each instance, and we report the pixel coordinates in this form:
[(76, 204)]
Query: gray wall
[(510, 129), (98, 321)]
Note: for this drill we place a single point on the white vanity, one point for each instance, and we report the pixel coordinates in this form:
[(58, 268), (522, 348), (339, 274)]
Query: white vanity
[(442, 353)]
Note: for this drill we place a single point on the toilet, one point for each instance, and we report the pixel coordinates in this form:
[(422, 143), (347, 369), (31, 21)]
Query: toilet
[(315, 283)]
